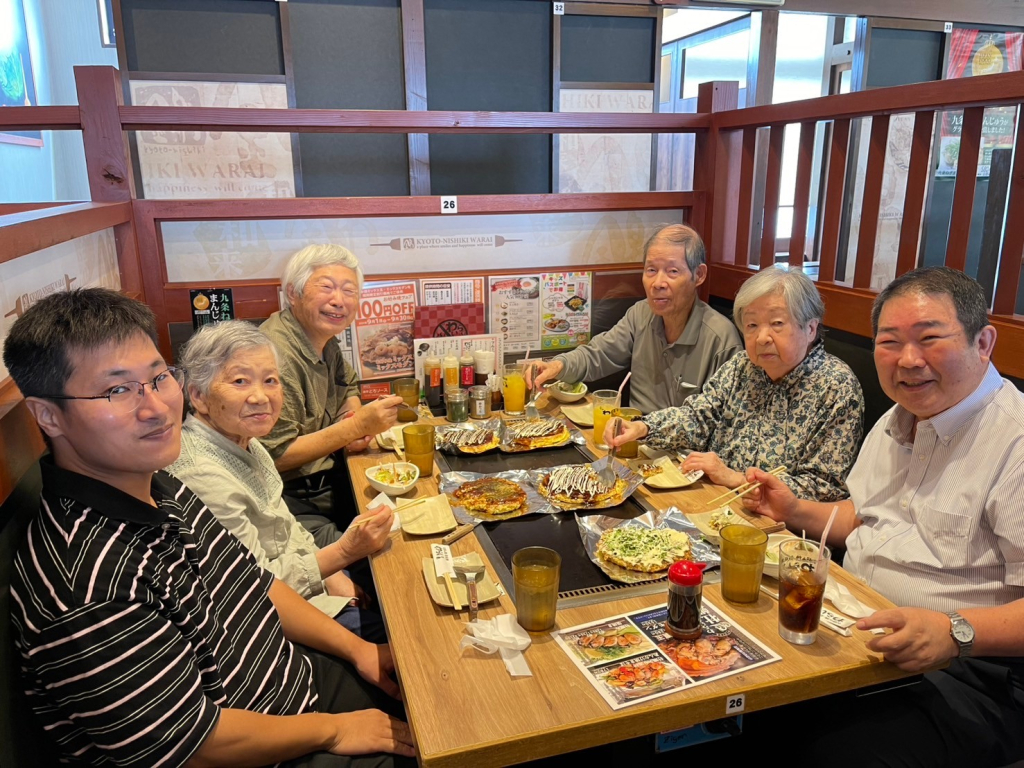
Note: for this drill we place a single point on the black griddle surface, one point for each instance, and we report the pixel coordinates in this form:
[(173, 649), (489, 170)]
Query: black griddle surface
[(558, 531)]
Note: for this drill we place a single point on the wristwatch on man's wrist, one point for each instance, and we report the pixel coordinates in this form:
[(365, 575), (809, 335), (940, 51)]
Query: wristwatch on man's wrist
[(962, 633)]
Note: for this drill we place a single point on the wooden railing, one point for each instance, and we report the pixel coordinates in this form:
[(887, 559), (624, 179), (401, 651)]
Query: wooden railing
[(848, 304), (720, 205)]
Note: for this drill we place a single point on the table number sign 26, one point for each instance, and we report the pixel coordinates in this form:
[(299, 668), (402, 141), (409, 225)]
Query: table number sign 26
[(735, 704)]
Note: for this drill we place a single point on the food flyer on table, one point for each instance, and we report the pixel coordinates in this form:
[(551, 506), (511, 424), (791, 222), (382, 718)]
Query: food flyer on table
[(515, 311), (565, 309), (630, 658), (384, 329)]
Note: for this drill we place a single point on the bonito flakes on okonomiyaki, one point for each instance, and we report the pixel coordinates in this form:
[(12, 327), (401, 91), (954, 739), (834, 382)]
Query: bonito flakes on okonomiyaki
[(490, 497), (530, 434), (643, 549), (577, 486), (469, 440)]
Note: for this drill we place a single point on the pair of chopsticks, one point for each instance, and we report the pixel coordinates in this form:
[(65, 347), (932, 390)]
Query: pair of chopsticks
[(744, 489), (364, 519)]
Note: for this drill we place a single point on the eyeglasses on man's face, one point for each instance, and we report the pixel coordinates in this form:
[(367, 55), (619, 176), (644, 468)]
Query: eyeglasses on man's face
[(127, 396)]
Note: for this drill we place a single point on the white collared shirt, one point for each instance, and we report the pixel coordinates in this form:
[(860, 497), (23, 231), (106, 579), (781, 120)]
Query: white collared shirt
[(942, 512)]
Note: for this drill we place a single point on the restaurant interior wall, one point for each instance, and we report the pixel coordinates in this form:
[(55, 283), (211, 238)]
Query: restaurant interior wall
[(734, 125), (61, 33)]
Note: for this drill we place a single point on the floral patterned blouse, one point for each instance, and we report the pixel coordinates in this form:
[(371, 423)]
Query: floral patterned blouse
[(811, 421)]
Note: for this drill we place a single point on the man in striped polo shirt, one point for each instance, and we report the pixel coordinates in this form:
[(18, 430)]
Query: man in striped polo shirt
[(935, 522), (148, 634)]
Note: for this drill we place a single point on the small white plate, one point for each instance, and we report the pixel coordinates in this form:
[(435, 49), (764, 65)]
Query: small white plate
[(669, 477), (582, 414), (389, 438), (703, 523), (771, 554), (430, 518), (486, 589)]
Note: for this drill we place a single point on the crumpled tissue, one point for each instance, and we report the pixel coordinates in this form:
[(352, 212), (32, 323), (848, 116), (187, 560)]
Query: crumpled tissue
[(387, 501), (504, 635), (844, 600)]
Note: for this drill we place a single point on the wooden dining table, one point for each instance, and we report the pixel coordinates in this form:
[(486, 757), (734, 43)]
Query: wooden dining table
[(466, 710)]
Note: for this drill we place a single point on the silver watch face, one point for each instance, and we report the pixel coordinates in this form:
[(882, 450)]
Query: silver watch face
[(963, 632)]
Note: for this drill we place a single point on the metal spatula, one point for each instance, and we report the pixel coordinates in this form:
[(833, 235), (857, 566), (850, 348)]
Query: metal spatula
[(607, 475), (470, 572), (531, 407)]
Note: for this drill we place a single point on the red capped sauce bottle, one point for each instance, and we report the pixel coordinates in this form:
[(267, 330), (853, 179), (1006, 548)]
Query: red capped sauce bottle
[(685, 590)]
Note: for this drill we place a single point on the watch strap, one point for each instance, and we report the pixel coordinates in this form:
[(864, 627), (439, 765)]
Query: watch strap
[(956, 620)]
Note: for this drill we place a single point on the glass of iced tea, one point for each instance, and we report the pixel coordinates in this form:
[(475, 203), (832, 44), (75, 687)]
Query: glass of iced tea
[(409, 391), (605, 402), (535, 573), (801, 589), (513, 389), (419, 447), (742, 548)]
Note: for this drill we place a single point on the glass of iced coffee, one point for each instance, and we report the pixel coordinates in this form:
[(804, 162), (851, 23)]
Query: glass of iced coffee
[(802, 577)]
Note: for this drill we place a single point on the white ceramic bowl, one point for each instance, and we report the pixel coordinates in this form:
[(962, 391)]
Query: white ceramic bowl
[(393, 489), (566, 397)]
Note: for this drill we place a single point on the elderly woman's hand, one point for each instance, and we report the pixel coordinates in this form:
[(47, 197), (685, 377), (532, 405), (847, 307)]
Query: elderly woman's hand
[(357, 543), (631, 430), (714, 469)]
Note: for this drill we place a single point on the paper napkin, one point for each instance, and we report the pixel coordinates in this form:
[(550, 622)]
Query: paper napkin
[(504, 635)]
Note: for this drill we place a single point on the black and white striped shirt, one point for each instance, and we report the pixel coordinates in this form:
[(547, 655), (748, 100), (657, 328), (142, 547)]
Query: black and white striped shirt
[(136, 624)]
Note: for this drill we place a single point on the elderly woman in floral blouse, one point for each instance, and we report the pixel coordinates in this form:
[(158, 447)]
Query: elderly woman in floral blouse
[(786, 402)]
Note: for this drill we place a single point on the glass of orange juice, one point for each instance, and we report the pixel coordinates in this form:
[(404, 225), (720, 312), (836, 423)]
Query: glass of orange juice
[(514, 389), (631, 449), (604, 407)]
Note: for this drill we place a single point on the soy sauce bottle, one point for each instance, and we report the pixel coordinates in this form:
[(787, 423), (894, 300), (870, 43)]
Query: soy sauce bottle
[(685, 591)]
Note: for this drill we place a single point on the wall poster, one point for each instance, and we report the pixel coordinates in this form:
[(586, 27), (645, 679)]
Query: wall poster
[(216, 251), (973, 53), (565, 310), (515, 311), (85, 262), (384, 329), (468, 290), (213, 164), (17, 85), (604, 162)]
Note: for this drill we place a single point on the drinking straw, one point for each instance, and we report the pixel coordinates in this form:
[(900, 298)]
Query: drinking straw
[(824, 537), (618, 395)]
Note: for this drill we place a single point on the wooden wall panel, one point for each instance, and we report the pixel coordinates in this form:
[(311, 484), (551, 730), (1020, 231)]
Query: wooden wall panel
[(772, 186), (917, 186), (963, 192), (802, 194), (873, 178), (834, 189), (32, 230), (1008, 280)]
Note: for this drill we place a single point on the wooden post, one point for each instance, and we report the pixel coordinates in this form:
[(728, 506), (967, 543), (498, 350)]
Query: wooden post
[(764, 43), (710, 170), (414, 54), (108, 161), (1010, 272)]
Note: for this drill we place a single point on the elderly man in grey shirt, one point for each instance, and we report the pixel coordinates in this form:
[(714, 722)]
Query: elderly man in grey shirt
[(672, 341)]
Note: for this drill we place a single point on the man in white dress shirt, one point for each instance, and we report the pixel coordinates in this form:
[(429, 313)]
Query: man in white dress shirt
[(935, 522)]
